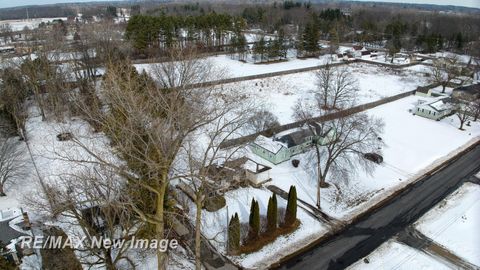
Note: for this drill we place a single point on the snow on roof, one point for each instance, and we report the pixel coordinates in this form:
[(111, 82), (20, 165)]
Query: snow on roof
[(438, 105), (268, 144)]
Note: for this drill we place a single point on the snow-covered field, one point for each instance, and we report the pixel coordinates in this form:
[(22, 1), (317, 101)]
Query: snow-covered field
[(412, 144), (214, 226), (234, 68), (279, 94), (395, 255), (454, 223)]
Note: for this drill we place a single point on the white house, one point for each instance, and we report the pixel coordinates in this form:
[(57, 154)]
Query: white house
[(434, 110)]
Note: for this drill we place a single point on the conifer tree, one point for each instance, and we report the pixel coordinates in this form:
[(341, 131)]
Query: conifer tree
[(234, 234), (291, 212), (254, 220), (272, 214)]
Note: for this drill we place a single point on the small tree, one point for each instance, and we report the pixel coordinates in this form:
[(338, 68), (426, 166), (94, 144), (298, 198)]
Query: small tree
[(463, 112), (272, 214), (234, 234), (254, 220), (445, 70), (291, 212)]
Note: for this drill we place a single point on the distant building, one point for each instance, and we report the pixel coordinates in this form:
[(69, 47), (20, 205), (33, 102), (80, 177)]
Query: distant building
[(434, 110)]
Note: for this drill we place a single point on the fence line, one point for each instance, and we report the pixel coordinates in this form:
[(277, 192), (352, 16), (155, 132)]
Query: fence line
[(323, 118)]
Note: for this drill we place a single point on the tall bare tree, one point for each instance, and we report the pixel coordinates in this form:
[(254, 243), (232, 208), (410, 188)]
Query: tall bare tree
[(147, 125), (202, 152), (340, 144), (12, 164)]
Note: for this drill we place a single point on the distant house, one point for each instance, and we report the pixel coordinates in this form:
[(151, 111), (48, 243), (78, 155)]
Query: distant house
[(435, 110), (277, 150), (467, 93)]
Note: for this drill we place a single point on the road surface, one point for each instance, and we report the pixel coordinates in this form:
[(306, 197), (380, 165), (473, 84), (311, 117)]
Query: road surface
[(362, 237)]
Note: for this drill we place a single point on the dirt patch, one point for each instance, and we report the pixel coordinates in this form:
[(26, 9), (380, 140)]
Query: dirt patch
[(264, 239)]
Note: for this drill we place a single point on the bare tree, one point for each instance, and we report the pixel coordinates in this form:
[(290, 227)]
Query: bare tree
[(465, 111), (202, 157), (12, 164), (261, 120), (336, 87), (340, 144), (95, 201), (147, 125), (444, 70), (13, 93)]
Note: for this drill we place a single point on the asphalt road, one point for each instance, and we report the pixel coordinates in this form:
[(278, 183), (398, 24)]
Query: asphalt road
[(362, 237)]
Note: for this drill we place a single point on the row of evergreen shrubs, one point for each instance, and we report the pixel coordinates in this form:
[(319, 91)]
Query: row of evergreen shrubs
[(289, 221)]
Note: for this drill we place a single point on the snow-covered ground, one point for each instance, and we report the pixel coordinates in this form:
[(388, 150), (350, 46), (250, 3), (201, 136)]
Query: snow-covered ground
[(279, 94), (214, 225), (395, 255), (454, 223), (234, 68), (412, 145)]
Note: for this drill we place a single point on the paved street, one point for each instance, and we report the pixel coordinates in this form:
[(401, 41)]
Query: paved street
[(371, 231)]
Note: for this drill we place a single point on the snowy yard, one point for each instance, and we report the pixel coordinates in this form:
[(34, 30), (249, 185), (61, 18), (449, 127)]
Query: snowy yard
[(395, 255), (412, 144), (214, 225), (234, 68), (279, 93), (454, 223)]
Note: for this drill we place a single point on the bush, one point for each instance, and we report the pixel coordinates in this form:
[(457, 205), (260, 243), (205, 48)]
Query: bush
[(291, 212)]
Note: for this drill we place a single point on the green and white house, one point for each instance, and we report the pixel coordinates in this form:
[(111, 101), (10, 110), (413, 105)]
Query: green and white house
[(278, 150), (434, 110)]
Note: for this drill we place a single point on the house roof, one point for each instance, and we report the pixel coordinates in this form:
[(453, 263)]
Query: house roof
[(268, 144), (8, 233), (438, 105), (298, 137)]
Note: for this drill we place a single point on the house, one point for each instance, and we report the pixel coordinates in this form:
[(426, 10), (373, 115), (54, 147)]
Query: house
[(467, 93), (278, 150), (14, 224), (434, 110)]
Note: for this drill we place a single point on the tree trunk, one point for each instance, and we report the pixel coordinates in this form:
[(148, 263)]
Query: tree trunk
[(2, 192), (443, 88), (160, 226), (319, 175), (198, 223), (108, 261)]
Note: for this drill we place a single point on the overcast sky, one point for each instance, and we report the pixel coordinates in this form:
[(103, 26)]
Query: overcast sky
[(466, 3)]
